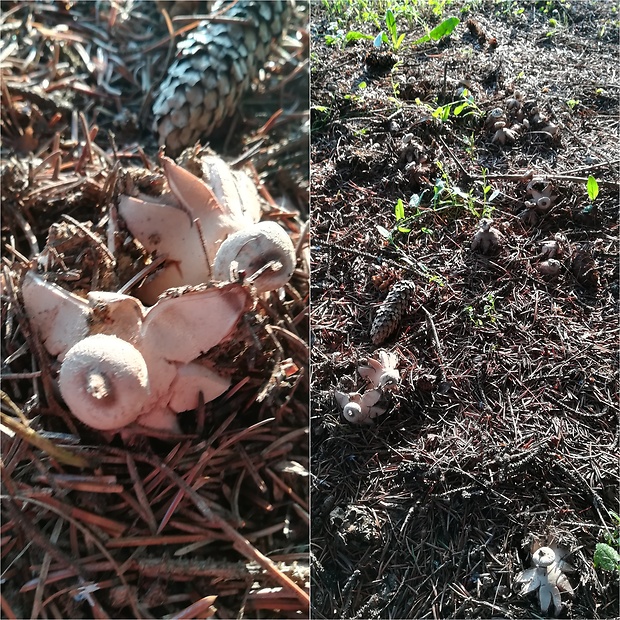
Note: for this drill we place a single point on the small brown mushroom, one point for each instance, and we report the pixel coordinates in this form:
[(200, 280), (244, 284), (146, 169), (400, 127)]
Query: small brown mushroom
[(494, 116), (503, 135), (549, 267), (547, 578), (487, 237), (550, 248), (550, 129), (541, 192)]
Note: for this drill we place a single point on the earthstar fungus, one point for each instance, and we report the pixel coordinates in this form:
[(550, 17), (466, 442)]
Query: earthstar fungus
[(547, 578), (151, 373), (381, 373), (360, 408)]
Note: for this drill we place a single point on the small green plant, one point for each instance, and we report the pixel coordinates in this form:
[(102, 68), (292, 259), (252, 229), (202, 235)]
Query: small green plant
[(489, 312), (401, 220), (444, 29), (390, 25), (443, 197), (553, 24), (470, 147), (573, 103), (353, 97), (342, 39), (606, 556), (462, 108), (320, 116), (436, 279), (592, 188)]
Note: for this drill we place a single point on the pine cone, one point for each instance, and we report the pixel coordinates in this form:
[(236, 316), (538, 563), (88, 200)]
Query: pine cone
[(391, 311), (214, 65)]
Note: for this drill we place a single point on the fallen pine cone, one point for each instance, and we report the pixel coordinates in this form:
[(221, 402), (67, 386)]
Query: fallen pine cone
[(391, 311), (214, 65)]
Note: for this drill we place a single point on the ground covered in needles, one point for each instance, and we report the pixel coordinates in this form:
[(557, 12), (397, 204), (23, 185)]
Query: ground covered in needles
[(503, 433), (212, 523)]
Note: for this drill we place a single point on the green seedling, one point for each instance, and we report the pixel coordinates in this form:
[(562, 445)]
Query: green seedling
[(342, 40), (553, 23), (592, 187), (573, 103), (444, 29), (606, 556), (488, 196), (320, 116), (436, 279), (390, 24), (489, 313), (399, 212), (354, 98), (462, 108)]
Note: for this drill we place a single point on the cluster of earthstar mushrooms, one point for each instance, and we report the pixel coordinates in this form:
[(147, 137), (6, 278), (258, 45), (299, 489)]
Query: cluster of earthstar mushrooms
[(381, 376), (126, 359), (517, 116), (540, 198)]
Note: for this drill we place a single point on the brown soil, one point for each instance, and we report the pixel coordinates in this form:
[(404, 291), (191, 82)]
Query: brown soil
[(504, 429)]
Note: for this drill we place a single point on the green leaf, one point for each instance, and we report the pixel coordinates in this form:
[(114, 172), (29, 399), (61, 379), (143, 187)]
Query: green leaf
[(399, 210), (443, 30), (354, 35), (402, 229), (592, 188), (606, 557), (423, 39), (399, 41), (390, 21)]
